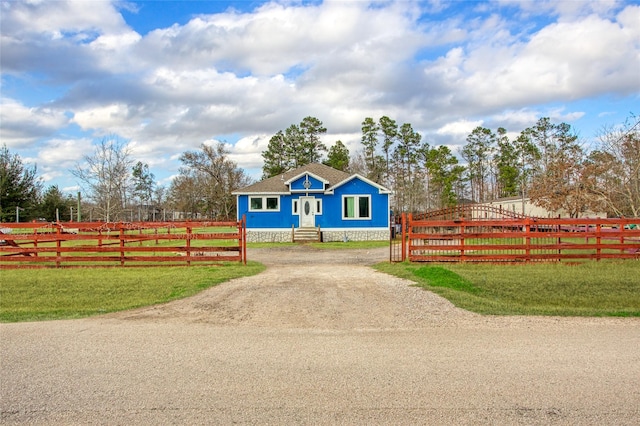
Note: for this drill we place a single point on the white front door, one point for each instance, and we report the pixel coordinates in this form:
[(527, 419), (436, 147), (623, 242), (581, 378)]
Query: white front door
[(307, 212)]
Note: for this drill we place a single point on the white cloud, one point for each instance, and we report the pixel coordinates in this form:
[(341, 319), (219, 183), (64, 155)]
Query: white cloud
[(564, 9), (56, 158), (22, 126), (102, 117), (460, 128), (443, 69), (517, 119), (79, 20), (63, 152), (277, 38), (247, 151), (566, 60), (115, 41)]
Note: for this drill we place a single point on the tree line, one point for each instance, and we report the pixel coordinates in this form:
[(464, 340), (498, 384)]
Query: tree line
[(546, 163), (549, 164), (115, 187)]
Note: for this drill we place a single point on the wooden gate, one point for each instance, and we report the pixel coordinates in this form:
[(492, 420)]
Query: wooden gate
[(397, 235), (432, 238), (73, 244)]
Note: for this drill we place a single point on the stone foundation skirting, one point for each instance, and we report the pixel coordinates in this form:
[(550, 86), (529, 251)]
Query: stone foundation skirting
[(355, 235), (282, 236), (270, 236)]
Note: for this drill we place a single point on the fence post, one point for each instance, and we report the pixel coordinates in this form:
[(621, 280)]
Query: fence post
[(462, 230), (621, 236), (58, 244), (527, 233), (121, 243), (35, 241), (243, 238), (598, 240), (391, 226), (405, 225), (188, 245), (559, 242)]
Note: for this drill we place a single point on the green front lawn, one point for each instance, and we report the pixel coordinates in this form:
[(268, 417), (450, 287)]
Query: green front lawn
[(606, 288), (48, 294)]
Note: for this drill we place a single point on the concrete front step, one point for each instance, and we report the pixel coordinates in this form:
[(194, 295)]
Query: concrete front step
[(306, 235)]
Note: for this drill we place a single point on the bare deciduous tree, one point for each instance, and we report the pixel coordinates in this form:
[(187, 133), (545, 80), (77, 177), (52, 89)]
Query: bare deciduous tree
[(206, 182), (106, 177), (617, 168)]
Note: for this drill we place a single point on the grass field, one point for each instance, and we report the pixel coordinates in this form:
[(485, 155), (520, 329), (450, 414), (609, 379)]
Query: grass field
[(48, 294), (607, 288)]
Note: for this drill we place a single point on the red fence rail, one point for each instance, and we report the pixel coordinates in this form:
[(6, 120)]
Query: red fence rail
[(519, 239), (74, 244)]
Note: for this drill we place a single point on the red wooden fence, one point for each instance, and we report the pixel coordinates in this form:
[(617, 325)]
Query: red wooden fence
[(73, 244), (519, 239)]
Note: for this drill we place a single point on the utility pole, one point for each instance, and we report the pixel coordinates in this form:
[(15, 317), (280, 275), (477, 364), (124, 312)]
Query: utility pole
[(78, 215)]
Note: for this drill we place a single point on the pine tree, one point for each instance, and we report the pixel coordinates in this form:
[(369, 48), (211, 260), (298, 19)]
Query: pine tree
[(338, 157), (297, 146), (276, 160), (19, 187)]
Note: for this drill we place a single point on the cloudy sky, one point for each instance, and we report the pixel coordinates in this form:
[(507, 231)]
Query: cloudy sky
[(169, 76)]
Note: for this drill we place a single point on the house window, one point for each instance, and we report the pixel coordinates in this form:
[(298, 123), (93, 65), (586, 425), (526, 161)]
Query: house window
[(264, 204), (256, 203), (272, 203), (318, 206), (294, 207), (356, 207)]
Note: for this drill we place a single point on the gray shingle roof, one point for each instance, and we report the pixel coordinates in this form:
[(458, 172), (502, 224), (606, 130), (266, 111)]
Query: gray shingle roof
[(276, 184)]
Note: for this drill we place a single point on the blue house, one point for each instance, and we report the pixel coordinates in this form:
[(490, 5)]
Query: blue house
[(315, 200)]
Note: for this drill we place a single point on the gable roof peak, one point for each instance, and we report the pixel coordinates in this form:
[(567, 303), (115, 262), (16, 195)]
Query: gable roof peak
[(279, 184)]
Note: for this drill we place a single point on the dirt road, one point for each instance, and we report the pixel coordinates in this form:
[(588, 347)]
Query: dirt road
[(319, 338)]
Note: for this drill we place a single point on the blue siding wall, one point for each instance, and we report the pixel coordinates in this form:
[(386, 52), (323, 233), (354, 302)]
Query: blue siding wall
[(332, 207), (279, 219), (298, 184), (331, 216)]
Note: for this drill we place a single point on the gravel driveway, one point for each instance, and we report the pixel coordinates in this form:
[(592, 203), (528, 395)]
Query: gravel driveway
[(319, 338)]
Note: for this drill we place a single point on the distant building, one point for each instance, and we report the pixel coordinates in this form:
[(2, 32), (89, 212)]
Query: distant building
[(514, 205)]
